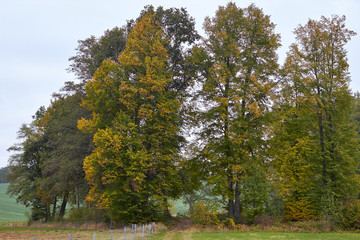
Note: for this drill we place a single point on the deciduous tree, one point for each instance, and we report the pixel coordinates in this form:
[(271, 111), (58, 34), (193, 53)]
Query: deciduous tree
[(237, 63), (132, 170), (321, 145), (25, 167)]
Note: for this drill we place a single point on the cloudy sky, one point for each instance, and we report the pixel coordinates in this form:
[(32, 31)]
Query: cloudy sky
[(38, 36)]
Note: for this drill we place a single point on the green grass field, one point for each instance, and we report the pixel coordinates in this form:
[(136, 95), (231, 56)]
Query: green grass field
[(232, 235), (10, 211), (53, 233)]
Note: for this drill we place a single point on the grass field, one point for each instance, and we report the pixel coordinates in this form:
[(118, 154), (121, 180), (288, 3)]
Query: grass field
[(11, 233), (10, 211), (232, 235), (27, 233)]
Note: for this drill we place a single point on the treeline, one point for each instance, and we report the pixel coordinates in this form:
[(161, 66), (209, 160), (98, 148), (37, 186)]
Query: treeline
[(3, 172), (162, 113)]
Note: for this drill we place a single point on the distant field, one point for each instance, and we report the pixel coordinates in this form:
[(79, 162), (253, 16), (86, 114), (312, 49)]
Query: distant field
[(10, 211)]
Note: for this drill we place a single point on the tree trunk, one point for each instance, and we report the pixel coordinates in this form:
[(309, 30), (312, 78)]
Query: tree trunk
[(322, 148), (63, 205), (231, 201), (231, 208), (54, 208), (190, 201), (237, 201), (77, 197), (47, 216)]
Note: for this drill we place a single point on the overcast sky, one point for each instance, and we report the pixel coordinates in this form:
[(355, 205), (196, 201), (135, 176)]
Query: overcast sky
[(38, 36)]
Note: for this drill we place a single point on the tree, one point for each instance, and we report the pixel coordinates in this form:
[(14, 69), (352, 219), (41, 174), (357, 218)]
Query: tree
[(25, 168), (178, 26), (92, 52), (179, 29), (320, 138), (67, 147), (237, 64), (292, 145), (132, 170), (48, 164)]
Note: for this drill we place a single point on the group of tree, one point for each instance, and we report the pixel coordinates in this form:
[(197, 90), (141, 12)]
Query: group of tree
[(161, 113)]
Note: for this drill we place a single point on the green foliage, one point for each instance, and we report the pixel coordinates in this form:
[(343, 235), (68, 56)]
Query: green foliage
[(25, 166), (178, 27), (135, 120), (351, 215), (321, 43), (254, 195), (234, 69), (83, 214), (92, 51), (315, 143), (67, 147), (48, 164), (330, 208)]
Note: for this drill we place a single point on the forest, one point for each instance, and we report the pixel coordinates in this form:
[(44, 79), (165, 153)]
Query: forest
[(159, 113)]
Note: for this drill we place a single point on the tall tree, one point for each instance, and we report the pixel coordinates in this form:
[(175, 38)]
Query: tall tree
[(178, 26), (292, 145), (132, 170), (67, 147), (237, 66), (48, 164), (319, 57), (92, 51), (25, 168)]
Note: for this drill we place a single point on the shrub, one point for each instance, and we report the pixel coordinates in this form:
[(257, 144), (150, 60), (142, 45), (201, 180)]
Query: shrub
[(85, 214), (351, 215), (204, 214), (229, 223), (264, 220)]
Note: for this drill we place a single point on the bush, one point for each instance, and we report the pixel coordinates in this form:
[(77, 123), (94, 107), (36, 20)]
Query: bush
[(204, 214), (351, 215), (85, 214), (312, 226), (264, 220), (229, 223)]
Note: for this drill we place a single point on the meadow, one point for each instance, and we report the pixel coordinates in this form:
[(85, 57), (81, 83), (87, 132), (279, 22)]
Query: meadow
[(10, 210), (15, 233), (251, 235)]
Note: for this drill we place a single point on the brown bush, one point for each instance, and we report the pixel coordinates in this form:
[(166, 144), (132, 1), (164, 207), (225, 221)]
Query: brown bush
[(264, 220)]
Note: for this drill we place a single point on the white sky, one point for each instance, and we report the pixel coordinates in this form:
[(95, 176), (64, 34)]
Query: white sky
[(38, 36)]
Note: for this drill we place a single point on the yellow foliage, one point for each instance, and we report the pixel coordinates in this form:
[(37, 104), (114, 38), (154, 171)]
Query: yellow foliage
[(253, 107), (299, 210)]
